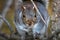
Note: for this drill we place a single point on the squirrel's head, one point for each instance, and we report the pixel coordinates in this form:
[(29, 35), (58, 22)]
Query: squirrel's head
[(29, 14)]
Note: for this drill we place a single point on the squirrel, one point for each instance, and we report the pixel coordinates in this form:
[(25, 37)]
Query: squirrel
[(26, 17)]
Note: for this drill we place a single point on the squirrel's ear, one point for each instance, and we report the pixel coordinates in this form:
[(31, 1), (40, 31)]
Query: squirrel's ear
[(23, 8), (34, 9)]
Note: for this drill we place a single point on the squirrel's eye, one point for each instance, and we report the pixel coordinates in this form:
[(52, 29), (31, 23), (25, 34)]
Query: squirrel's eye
[(24, 16), (35, 16)]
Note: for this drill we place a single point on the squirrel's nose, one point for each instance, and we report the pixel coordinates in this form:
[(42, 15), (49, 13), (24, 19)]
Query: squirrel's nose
[(29, 22)]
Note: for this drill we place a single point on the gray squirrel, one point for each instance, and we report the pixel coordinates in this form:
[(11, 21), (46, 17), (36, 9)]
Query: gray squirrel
[(27, 18)]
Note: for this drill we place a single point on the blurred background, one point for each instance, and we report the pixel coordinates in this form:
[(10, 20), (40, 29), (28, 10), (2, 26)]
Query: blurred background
[(9, 16)]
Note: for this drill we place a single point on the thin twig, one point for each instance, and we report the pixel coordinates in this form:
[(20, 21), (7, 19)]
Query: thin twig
[(9, 26)]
